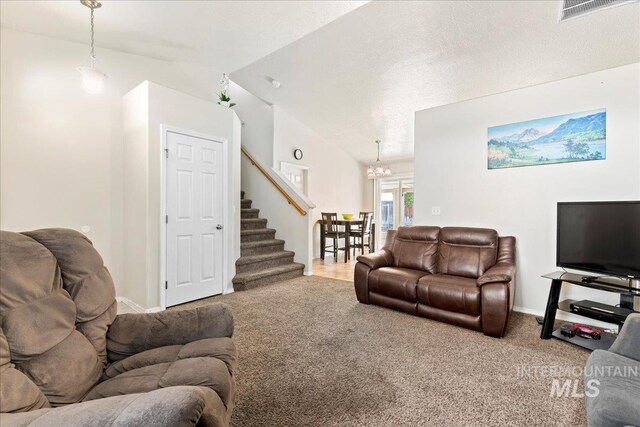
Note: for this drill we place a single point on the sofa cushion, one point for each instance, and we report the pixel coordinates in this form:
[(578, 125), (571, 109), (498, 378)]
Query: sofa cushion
[(613, 399), (55, 289), (451, 293), (467, 252), (416, 248), (86, 279), (395, 282), (208, 362)]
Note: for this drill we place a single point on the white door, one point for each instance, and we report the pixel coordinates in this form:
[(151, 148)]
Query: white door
[(195, 179)]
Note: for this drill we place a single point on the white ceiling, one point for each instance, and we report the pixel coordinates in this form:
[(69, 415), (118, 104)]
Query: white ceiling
[(362, 76), (355, 73), (223, 35)]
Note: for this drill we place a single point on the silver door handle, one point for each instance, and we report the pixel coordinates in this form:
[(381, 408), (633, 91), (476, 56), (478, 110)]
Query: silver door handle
[(219, 227)]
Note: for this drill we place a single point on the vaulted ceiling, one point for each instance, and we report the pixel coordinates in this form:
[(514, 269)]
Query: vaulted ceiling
[(222, 35), (355, 71), (362, 76)]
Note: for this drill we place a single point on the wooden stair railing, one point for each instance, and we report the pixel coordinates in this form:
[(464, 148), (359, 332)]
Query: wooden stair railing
[(273, 182)]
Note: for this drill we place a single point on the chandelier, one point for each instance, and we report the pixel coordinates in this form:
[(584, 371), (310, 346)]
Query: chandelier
[(377, 170), (92, 78)]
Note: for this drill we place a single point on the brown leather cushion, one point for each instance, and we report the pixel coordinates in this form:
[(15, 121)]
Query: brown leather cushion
[(416, 248), (451, 293), (395, 282), (467, 252)]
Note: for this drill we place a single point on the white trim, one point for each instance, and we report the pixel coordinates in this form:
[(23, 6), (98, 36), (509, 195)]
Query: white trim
[(164, 129), (294, 192), (163, 214), (137, 307), (308, 265), (295, 165), (305, 172)]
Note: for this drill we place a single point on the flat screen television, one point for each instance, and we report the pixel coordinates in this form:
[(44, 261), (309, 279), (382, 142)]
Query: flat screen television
[(600, 237)]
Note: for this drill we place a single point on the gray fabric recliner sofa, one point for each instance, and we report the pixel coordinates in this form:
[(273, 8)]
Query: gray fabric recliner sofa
[(67, 359), (612, 380)]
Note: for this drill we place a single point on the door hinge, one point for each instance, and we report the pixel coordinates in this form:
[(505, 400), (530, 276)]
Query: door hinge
[(166, 153), (166, 284), (166, 219)]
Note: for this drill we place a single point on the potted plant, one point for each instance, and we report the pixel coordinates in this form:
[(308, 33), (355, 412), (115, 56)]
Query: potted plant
[(224, 100), (223, 96)]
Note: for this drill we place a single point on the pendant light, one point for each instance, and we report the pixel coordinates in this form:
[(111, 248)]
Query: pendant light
[(377, 170), (92, 78)]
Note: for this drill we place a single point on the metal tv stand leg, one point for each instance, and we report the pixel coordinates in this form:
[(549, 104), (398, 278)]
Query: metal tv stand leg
[(552, 307)]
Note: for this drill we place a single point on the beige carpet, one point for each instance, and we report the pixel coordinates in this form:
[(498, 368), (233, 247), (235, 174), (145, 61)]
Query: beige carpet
[(311, 355)]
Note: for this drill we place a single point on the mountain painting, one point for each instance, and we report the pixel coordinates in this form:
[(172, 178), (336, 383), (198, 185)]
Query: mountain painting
[(573, 137)]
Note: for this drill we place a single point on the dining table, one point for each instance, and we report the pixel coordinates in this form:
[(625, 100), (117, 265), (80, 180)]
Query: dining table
[(347, 224)]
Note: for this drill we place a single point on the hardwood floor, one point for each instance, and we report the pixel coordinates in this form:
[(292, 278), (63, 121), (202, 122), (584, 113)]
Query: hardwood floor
[(334, 270)]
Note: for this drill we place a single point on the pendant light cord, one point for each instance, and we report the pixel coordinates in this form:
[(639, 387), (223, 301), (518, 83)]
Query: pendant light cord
[(93, 53)]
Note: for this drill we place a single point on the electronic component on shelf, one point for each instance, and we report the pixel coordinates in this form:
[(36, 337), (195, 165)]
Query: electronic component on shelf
[(596, 310)]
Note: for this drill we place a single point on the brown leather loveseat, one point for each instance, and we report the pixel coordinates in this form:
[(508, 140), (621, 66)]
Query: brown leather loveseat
[(458, 275)]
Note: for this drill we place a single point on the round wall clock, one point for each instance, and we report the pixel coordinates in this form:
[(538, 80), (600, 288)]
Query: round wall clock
[(297, 154)]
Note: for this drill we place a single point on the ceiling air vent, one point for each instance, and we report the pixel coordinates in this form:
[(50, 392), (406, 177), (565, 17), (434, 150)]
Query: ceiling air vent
[(574, 8)]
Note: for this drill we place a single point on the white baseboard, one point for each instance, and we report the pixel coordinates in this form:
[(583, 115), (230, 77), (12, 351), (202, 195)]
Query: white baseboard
[(567, 317), (308, 272), (228, 291), (137, 308), (527, 311)]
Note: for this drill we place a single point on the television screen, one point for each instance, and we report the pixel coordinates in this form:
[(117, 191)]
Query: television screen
[(601, 237)]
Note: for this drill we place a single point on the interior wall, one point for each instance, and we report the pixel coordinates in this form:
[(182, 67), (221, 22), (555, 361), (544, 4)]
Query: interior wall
[(61, 149), (337, 181), (147, 108), (290, 226), (451, 151), (257, 123)]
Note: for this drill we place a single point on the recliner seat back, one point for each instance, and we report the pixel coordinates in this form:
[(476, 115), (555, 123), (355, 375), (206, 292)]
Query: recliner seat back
[(458, 251), (467, 252), (57, 300), (416, 248)]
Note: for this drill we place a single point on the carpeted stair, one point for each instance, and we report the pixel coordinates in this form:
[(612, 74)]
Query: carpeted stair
[(262, 259)]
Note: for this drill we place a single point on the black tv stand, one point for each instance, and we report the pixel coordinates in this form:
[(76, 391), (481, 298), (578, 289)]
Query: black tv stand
[(606, 284)]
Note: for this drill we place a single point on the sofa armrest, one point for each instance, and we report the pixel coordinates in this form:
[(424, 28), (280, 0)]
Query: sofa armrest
[(172, 406), (133, 333), (499, 273), (382, 258), (627, 343)]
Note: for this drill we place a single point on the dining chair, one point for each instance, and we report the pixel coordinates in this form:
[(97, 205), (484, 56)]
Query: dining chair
[(331, 231), (362, 231)]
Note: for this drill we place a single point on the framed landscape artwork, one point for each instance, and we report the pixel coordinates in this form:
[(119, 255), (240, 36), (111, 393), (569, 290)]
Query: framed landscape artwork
[(572, 137)]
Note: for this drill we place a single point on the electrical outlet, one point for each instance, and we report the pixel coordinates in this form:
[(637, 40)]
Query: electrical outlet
[(435, 210)]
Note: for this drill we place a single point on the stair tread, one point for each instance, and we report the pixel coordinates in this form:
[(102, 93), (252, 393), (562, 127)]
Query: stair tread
[(249, 259), (249, 210), (253, 275), (253, 220), (272, 242), (257, 231)]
